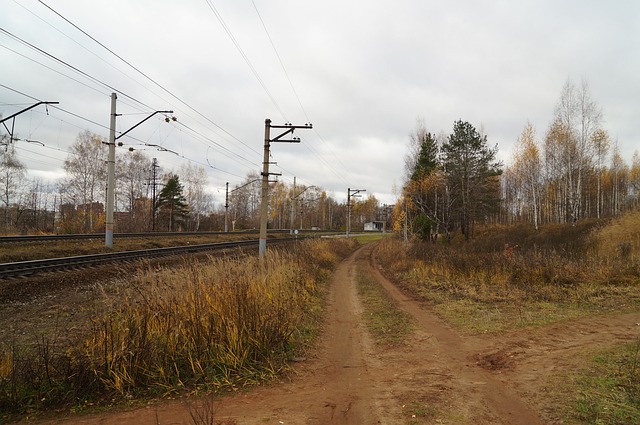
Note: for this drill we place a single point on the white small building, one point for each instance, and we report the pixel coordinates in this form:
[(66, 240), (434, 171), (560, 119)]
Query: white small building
[(374, 226)]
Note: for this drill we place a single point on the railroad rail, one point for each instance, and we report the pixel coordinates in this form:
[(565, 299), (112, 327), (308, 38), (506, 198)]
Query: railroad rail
[(43, 238), (26, 268)]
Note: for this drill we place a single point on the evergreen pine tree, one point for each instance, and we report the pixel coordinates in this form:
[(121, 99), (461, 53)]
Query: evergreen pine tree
[(172, 205)]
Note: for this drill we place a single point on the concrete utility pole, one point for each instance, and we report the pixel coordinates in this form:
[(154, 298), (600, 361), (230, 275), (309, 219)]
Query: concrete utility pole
[(301, 204), (111, 167), (111, 173), (351, 193), (264, 201), (294, 205), (226, 205)]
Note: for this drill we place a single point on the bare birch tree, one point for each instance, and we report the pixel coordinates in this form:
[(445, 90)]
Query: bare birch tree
[(85, 182), (528, 168), (12, 176)]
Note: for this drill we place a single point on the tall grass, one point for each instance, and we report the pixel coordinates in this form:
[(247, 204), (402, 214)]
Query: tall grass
[(619, 242), (514, 276), (221, 324)]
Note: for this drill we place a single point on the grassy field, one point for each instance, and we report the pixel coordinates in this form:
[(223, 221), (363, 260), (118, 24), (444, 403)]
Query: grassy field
[(514, 277), (609, 388), (219, 325)]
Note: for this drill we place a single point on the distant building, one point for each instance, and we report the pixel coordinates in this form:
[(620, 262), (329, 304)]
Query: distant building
[(374, 226), (94, 207)]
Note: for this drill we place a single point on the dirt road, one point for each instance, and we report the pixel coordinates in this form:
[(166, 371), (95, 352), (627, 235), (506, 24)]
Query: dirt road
[(437, 377)]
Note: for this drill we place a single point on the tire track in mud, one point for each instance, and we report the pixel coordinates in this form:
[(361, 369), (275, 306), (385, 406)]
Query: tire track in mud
[(520, 364), (473, 393)]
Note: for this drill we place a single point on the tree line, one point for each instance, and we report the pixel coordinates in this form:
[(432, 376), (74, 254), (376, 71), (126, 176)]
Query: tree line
[(297, 207), (150, 199), (574, 172)]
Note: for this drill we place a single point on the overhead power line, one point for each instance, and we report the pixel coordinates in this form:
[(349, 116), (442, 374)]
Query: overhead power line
[(245, 57), (149, 78), (302, 108), (227, 152), (280, 61), (68, 65), (19, 92), (52, 69)]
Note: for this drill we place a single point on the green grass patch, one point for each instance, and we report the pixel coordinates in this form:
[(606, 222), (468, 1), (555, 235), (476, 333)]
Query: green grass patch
[(478, 317), (369, 237), (388, 324), (609, 388), (417, 412)]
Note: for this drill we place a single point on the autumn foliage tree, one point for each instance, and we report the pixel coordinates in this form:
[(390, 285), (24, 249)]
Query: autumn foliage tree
[(453, 185), (527, 172), (12, 175), (424, 192), (575, 172), (83, 186)]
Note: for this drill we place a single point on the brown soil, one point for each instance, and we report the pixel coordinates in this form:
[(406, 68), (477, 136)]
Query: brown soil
[(437, 377)]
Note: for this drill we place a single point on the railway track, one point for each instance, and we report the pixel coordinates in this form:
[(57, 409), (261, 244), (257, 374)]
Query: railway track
[(44, 238), (32, 267)]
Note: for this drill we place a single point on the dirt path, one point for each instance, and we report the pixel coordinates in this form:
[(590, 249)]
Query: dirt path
[(437, 377)]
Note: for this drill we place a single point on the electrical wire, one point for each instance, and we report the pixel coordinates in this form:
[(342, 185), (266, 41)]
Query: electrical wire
[(68, 65), (95, 79), (295, 92), (131, 137), (20, 148), (103, 84), (245, 57), (280, 61), (149, 78), (18, 92), (78, 43), (230, 152), (52, 69)]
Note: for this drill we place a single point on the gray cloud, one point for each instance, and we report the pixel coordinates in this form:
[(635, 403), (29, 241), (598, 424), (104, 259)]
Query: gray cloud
[(363, 71)]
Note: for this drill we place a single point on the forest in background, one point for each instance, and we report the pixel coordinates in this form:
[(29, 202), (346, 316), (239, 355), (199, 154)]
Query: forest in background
[(571, 171)]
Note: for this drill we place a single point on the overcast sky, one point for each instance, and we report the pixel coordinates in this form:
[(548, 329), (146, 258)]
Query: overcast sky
[(362, 72)]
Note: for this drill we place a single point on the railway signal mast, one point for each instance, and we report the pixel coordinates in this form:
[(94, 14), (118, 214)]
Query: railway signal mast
[(111, 167), (264, 200), (351, 193)]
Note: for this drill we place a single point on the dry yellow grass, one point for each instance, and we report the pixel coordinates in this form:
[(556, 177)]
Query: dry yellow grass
[(222, 324), (487, 285), (620, 239)]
